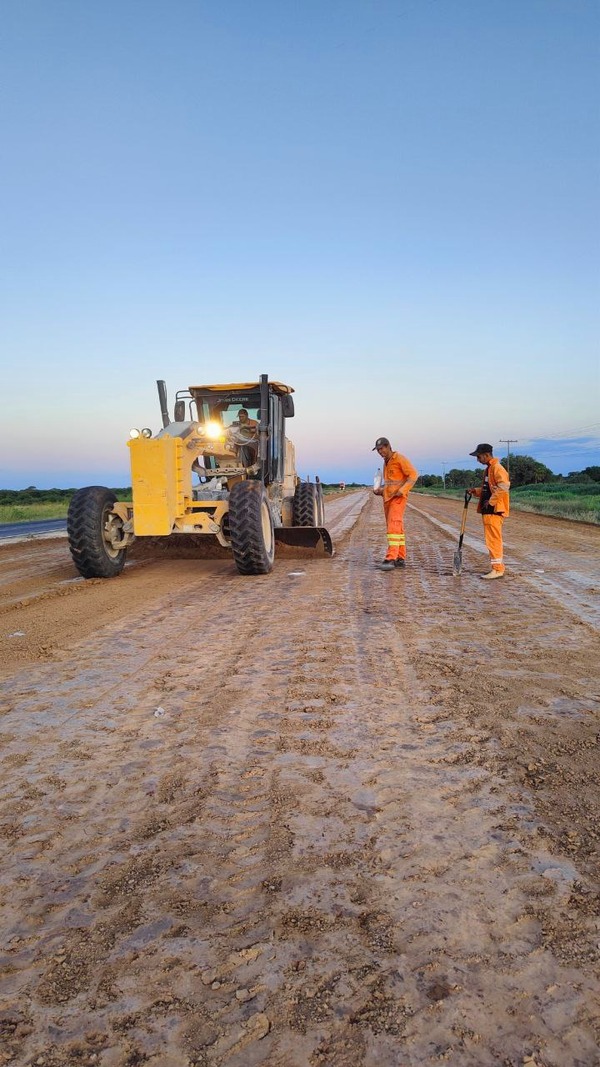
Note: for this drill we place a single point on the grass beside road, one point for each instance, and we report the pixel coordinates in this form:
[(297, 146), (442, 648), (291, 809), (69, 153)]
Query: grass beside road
[(43, 510), (580, 503), (33, 512)]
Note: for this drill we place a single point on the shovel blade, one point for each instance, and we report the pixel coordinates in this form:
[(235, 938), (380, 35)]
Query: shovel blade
[(457, 563)]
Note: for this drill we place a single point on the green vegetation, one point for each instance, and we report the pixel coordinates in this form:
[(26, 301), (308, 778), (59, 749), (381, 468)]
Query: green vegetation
[(31, 505), (31, 512), (576, 496), (533, 488), (524, 471), (561, 498)]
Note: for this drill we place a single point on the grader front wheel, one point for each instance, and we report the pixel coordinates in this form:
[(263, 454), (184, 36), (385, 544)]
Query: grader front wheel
[(95, 533), (251, 528)]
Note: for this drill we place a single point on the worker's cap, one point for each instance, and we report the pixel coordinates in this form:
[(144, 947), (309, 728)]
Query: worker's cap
[(380, 442), (481, 449)]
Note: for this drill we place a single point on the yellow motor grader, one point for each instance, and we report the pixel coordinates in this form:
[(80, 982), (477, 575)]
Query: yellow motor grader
[(222, 466)]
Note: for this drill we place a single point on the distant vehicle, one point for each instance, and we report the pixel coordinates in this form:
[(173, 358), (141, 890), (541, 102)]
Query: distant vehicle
[(342, 486)]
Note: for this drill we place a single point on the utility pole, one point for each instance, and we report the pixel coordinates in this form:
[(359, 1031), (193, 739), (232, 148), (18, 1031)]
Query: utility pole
[(508, 441), (444, 465)]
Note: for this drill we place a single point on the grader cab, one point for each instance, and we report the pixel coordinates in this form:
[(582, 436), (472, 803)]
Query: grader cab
[(222, 467)]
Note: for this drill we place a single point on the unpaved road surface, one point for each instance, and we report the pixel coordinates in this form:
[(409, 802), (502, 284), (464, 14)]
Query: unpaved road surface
[(330, 816)]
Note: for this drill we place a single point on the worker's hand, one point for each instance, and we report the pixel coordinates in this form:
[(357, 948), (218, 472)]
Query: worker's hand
[(378, 492)]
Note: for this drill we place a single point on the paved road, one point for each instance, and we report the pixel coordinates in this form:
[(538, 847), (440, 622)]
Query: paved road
[(31, 529)]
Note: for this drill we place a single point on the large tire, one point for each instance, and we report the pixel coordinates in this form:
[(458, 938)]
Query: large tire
[(251, 528), (89, 522), (306, 505)]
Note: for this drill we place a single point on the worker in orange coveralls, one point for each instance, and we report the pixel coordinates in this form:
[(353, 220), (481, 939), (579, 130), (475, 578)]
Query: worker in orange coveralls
[(493, 506), (399, 476)]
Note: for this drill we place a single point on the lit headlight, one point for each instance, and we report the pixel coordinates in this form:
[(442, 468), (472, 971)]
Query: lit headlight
[(146, 432), (213, 429), (134, 433)]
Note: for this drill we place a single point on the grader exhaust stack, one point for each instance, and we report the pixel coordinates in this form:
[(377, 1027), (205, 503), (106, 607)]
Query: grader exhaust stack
[(162, 396)]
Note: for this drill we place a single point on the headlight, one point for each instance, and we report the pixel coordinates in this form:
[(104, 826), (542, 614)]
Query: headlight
[(146, 432), (213, 430), (134, 433)]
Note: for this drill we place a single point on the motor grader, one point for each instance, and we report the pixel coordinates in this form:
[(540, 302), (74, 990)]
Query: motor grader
[(222, 467)]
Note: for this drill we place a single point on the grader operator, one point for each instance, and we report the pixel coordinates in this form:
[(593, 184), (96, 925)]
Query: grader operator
[(222, 466)]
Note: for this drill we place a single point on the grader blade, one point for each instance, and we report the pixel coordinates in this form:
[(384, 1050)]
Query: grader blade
[(316, 537)]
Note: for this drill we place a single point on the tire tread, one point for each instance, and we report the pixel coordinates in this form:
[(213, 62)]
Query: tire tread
[(84, 533), (306, 505), (245, 528)]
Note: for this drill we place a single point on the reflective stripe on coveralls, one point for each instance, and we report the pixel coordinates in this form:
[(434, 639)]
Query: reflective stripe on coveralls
[(394, 520), (492, 532)]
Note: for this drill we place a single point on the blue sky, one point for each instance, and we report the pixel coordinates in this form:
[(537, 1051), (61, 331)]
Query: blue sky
[(392, 206)]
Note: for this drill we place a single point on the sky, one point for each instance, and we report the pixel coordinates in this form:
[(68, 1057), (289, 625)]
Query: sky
[(391, 205)]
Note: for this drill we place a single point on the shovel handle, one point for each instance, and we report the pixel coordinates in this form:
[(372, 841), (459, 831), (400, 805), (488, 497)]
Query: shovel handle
[(464, 518)]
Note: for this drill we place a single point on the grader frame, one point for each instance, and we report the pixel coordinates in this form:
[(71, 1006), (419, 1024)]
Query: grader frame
[(248, 495)]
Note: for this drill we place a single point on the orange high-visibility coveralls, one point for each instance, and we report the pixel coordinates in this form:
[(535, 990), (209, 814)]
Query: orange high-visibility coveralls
[(397, 470), (490, 494)]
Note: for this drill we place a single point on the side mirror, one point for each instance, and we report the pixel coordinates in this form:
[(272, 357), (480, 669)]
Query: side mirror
[(287, 406), (180, 411)]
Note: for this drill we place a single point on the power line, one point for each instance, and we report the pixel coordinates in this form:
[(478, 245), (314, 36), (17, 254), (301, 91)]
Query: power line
[(568, 433), (567, 453)]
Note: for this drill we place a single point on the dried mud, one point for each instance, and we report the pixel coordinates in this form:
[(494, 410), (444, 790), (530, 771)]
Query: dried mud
[(330, 816)]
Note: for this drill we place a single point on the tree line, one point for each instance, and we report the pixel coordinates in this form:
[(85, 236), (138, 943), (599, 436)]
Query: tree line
[(31, 495), (524, 470)]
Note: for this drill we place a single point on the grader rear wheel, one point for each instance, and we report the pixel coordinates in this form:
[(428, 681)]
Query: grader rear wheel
[(94, 533), (307, 510), (251, 528)]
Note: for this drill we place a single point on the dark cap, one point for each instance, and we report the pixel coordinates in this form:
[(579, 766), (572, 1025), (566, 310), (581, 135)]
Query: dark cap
[(380, 442), (481, 449)]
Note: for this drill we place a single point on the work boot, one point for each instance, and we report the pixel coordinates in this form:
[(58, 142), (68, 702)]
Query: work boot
[(399, 563), (385, 565), (492, 574)]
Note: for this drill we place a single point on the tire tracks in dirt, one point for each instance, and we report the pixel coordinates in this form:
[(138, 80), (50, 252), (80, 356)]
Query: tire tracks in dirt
[(326, 849)]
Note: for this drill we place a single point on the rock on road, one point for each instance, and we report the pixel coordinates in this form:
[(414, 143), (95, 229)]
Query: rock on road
[(328, 816)]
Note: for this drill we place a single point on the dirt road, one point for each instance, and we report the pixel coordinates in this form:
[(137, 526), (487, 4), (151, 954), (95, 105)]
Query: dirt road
[(331, 816)]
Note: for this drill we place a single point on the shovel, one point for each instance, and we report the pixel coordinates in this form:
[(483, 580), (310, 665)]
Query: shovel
[(457, 561)]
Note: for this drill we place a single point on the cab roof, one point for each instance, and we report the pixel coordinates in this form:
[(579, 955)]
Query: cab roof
[(243, 387)]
